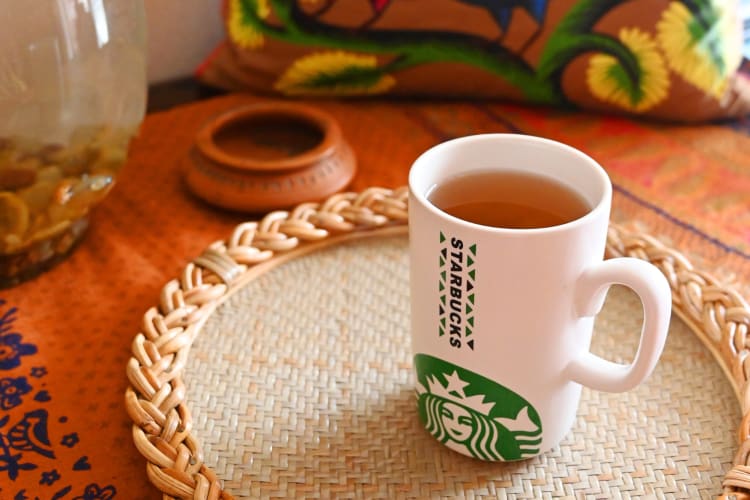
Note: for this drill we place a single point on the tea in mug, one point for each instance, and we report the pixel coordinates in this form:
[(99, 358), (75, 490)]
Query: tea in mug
[(509, 199)]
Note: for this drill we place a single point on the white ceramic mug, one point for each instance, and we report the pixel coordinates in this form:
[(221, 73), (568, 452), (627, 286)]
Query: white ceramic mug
[(502, 319)]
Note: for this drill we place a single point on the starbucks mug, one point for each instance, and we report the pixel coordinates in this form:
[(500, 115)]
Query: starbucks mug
[(502, 319)]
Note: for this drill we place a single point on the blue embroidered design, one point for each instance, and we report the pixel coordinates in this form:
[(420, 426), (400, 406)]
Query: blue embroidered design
[(96, 492), (10, 463), (82, 463), (11, 390), (62, 492), (11, 348), (30, 434), (42, 396), (50, 477), (70, 440), (25, 443)]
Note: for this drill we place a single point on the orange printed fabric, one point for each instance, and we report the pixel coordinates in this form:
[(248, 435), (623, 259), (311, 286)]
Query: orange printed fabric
[(667, 59)]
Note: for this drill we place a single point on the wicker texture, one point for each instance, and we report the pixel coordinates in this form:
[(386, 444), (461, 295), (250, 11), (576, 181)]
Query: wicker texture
[(299, 394), (163, 429)]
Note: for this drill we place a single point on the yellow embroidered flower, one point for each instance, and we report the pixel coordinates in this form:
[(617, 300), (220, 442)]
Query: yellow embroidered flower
[(335, 73), (703, 51), (241, 31), (609, 81)]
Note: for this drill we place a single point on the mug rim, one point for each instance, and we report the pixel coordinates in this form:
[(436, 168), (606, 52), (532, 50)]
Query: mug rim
[(423, 161)]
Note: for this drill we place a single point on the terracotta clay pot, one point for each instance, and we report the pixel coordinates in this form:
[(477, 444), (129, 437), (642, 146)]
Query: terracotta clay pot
[(269, 156)]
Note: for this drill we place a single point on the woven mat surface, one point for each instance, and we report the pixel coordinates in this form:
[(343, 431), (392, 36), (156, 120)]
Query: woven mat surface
[(301, 387)]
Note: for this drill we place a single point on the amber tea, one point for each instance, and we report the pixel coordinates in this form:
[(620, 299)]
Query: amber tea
[(509, 199)]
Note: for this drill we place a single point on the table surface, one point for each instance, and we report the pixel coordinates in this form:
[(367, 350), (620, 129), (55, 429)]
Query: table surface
[(65, 336)]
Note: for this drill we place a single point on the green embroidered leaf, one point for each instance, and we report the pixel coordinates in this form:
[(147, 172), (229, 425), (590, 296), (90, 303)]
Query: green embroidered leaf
[(249, 10), (617, 73), (350, 77), (574, 36), (705, 32), (407, 50)]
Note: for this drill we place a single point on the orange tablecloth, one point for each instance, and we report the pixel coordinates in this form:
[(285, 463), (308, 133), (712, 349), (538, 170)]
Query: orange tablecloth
[(65, 336)]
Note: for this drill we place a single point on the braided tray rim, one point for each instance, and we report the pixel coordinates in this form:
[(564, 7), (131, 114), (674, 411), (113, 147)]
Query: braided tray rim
[(155, 397)]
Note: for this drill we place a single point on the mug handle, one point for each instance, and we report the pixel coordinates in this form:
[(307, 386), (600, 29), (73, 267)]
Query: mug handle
[(653, 289)]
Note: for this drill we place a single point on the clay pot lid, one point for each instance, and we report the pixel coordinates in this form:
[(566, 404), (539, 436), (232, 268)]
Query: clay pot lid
[(268, 156)]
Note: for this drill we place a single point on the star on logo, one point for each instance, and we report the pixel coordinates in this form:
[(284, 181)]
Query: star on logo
[(454, 391), (455, 384)]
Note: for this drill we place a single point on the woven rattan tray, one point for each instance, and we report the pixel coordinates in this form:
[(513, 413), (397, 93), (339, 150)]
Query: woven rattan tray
[(300, 383)]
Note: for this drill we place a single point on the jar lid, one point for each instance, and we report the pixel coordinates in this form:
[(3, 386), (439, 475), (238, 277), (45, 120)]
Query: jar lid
[(268, 156)]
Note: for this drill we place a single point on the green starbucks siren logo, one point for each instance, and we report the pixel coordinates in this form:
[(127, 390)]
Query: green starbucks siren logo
[(456, 288), (474, 415)]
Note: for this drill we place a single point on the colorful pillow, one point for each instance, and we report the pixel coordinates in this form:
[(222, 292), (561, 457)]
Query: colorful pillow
[(674, 60)]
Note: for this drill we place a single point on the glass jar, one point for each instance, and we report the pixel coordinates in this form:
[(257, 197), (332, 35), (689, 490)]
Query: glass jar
[(72, 94)]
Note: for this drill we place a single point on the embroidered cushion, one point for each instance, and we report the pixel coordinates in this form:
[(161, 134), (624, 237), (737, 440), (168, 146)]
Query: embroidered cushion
[(675, 60)]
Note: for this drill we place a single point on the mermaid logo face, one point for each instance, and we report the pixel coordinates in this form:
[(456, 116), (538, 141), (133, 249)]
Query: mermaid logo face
[(474, 415), (457, 421)]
